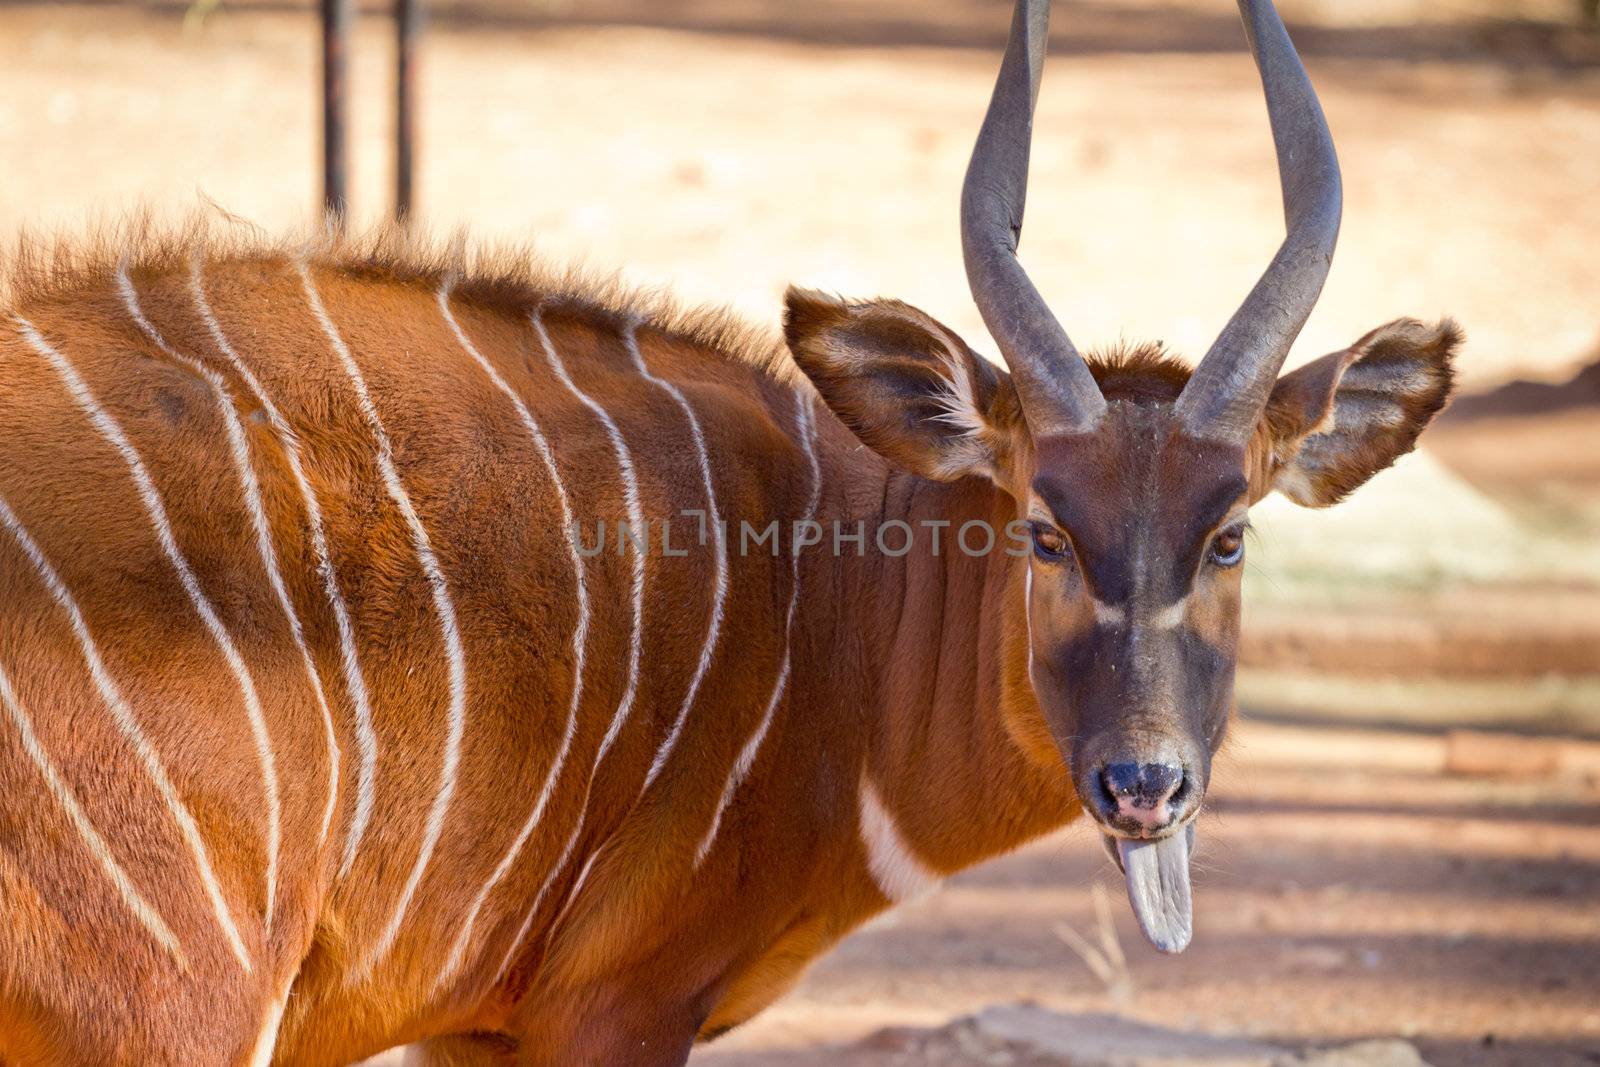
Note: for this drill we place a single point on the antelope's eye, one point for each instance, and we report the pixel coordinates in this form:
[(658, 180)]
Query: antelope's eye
[(1227, 549), (1049, 543)]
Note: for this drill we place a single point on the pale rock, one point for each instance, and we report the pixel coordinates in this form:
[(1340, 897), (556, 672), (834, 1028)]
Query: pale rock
[(1112, 1041), (1389, 1052)]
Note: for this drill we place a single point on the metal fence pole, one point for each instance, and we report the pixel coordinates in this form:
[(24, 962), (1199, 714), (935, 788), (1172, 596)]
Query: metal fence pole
[(336, 16), (406, 15)]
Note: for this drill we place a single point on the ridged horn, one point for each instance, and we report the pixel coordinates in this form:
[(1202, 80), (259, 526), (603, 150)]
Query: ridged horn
[(1058, 393), (1225, 397)]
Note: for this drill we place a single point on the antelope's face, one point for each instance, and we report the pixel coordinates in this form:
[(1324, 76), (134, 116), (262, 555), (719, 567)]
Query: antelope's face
[(1133, 610), (1138, 532), (1135, 476)]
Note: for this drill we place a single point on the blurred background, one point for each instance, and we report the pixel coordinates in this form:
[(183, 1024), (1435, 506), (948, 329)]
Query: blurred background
[(1404, 848)]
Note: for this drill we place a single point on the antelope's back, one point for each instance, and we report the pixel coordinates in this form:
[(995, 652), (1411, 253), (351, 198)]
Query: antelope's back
[(284, 565)]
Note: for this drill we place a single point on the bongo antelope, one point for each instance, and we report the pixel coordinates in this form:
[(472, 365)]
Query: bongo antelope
[(330, 723)]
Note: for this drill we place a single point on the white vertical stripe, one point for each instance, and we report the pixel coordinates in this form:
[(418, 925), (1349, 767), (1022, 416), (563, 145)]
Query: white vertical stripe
[(240, 450), (752, 747), (544, 887), (630, 495), (720, 545), (580, 634), (443, 607), (1027, 614), (895, 868), (122, 714), (267, 1039), (131, 897), (630, 340), (355, 681)]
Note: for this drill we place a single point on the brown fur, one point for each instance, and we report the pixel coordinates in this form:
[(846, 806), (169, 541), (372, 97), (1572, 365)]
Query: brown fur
[(1379, 395), (509, 278), (1139, 373), (909, 672), (646, 951)]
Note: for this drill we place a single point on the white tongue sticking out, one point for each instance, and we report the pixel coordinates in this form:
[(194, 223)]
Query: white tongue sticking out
[(1158, 888)]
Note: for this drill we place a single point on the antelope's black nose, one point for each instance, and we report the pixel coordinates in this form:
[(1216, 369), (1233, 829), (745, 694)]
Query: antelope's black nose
[(1140, 796)]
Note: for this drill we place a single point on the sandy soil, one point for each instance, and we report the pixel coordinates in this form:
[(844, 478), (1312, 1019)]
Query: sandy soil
[(825, 144), (1349, 889)]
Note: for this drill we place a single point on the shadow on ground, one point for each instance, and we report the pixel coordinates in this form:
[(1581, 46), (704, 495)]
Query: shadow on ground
[(1083, 28)]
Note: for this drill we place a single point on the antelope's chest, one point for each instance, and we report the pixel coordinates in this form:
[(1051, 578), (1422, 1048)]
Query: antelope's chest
[(772, 974), (776, 967)]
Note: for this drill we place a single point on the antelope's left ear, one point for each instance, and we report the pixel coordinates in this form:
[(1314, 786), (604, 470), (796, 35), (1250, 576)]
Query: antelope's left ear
[(908, 386), (1337, 421)]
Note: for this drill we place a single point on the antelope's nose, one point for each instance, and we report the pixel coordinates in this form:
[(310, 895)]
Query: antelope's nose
[(1141, 797)]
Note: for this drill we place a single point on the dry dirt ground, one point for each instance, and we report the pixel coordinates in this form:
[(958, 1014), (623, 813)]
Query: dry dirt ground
[(1349, 888), (729, 147), (1352, 885)]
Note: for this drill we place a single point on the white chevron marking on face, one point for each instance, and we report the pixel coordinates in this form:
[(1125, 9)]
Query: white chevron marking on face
[(1172, 615), (1108, 614)]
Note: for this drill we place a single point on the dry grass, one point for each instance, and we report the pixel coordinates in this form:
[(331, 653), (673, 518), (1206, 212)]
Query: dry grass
[(1103, 955)]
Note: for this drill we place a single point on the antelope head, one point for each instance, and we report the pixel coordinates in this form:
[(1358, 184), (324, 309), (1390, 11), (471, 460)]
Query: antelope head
[(1134, 475)]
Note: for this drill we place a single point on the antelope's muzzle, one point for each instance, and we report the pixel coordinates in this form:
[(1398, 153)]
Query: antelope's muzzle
[(1146, 813)]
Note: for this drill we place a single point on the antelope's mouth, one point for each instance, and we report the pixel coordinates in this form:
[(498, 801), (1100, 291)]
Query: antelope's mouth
[(1157, 874)]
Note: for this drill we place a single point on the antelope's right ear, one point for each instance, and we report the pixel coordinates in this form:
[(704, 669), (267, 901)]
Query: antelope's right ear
[(909, 387)]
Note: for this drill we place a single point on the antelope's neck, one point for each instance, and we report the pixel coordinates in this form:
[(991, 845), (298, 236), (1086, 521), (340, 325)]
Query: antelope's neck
[(958, 755)]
